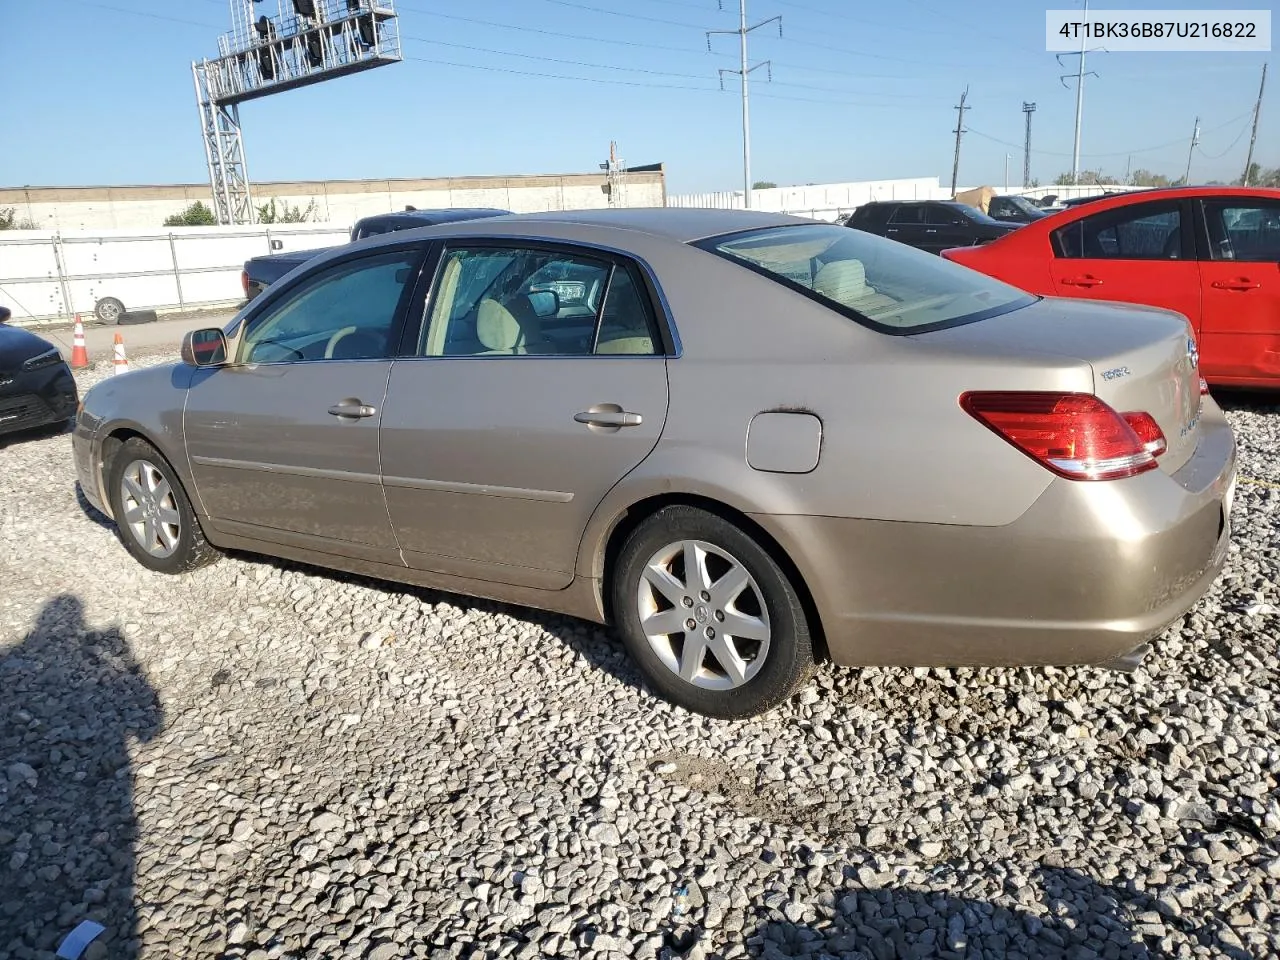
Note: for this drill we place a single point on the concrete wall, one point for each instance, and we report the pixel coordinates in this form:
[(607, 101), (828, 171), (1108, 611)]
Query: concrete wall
[(336, 201)]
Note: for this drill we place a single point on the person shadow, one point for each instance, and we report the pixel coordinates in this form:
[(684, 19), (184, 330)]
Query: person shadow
[(72, 700), (1081, 918)]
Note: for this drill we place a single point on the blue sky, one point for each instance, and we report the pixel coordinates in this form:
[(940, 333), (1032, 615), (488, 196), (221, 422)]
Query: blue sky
[(482, 92)]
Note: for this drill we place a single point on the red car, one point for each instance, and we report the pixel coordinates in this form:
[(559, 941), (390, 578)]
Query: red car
[(1210, 253)]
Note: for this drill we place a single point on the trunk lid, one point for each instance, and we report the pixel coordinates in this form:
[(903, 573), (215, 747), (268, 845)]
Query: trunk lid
[(1144, 359)]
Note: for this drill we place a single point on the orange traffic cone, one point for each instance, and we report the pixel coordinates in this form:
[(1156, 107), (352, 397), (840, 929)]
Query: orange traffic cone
[(120, 360), (79, 354)]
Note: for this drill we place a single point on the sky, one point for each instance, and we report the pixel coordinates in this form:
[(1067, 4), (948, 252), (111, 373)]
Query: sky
[(492, 87)]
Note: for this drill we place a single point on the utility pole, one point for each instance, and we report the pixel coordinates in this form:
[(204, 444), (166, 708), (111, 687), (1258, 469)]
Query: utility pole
[(1253, 137), (955, 166), (743, 71), (1080, 74), (1007, 158), (1195, 139), (1028, 109)]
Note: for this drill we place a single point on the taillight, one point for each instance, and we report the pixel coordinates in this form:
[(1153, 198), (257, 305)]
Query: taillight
[(244, 281), (1075, 435), (1148, 431)]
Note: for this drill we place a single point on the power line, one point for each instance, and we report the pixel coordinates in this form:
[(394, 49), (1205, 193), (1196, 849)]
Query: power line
[(144, 13), (662, 73), (1219, 156), (1114, 153), (639, 44)]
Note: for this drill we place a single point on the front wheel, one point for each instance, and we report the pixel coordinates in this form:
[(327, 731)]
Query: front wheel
[(709, 616), (152, 512)]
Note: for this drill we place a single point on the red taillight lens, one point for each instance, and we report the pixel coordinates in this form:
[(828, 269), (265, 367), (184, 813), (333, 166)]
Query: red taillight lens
[(244, 281), (1075, 435), (1148, 431)]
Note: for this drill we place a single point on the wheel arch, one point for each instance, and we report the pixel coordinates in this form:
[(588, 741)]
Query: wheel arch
[(624, 521)]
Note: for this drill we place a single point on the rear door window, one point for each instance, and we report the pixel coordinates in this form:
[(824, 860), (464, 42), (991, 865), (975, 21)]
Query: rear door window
[(1144, 231)]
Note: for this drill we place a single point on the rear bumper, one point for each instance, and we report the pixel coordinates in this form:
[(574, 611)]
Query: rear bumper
[(1088, 573), (37, 398)]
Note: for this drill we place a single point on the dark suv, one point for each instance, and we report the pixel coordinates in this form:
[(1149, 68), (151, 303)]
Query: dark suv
[(932, 225)]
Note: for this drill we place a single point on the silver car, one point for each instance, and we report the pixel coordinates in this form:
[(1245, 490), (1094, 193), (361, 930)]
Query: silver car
[(747, 441)]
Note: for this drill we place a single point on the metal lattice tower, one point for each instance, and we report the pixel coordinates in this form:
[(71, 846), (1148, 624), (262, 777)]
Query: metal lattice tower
[(616, 176), (307, 42)]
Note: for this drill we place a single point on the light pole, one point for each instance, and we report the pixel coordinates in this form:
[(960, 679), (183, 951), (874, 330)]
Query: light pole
[(1007, 158)]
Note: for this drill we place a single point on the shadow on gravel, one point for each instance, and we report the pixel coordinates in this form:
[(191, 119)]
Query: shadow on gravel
[(71, 700), (91, 511), (1254, 401), (595, 644), (35, 433), (1083, 918)]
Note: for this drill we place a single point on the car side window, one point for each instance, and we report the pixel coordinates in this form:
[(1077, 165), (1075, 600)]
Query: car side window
[(940, 216), (1148, 231), (348, 311), (514, 301), (908, 214), (1243, 230)]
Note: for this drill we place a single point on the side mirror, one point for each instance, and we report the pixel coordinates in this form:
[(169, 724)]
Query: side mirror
[(204, 348), (545, 303), (5, 314)]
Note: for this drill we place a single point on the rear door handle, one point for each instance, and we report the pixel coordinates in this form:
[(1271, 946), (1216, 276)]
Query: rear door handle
[(1244, 283), (352, 409), (1085, 281), (930, 230), (609, 418)]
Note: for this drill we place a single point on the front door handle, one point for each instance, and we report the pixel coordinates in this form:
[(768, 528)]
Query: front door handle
[(609, 418), (1244, 283), (352, 409), (930, 230), (1085, 281)]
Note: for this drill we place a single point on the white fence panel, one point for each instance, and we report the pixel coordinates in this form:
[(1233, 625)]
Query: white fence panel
[(46, 276)]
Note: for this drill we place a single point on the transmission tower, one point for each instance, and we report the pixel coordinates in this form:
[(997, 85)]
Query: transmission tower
[(1028, 109), (307, 42), (615, 177), (742, 32), (959, 131), (1079, 75)]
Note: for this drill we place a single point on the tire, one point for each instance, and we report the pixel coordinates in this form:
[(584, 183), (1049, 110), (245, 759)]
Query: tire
[(774, 651), (133, 317), (108, 310), (177, 542)]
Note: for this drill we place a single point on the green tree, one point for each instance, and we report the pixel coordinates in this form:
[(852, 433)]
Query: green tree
[(269, 213), (763, 185), (1092, 178), (1261, 177), (9, 221), (1145, 178), (196, 215)]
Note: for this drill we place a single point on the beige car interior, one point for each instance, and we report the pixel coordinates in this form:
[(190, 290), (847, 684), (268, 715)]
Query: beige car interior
[(511, 327)]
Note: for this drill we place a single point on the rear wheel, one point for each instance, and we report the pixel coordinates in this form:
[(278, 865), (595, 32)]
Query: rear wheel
[(709, 616), (153, 515)]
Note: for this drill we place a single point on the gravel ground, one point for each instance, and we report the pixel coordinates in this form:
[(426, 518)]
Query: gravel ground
[(260, 760)]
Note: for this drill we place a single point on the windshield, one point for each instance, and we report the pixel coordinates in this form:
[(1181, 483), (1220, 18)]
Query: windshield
[(1021, 203), (880, 283)]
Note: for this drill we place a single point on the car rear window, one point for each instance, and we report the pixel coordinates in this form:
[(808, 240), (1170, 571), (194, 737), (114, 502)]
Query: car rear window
[(882, 284)]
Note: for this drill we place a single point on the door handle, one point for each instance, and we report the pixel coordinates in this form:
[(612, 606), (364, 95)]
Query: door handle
[(930, 230), (1085, 281), (609, 418), (352, 409), (1244, 283)]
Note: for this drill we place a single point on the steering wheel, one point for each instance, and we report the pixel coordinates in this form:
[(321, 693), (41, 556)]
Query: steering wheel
[(376, 344)]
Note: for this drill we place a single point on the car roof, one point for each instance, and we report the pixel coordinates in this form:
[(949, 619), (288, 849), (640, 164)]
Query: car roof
[(682, 224), (441, 215)]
